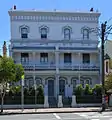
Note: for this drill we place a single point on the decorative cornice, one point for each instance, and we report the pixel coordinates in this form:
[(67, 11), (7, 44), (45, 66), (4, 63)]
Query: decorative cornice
[(55, 19), (53, 16)]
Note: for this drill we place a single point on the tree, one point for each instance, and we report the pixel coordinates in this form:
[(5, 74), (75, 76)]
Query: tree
[(9, 72), (108, 82)]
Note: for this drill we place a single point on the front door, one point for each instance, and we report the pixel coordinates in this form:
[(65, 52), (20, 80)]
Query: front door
[(50, 87), (62, 87)]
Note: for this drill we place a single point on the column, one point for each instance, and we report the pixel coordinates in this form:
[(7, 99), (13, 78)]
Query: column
[(57, 72), (34, 81), (34, 75), (33, 58), (79, 68), (79, 79)]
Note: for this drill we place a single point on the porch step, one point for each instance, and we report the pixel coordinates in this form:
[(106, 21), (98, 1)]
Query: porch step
[(52, 102)]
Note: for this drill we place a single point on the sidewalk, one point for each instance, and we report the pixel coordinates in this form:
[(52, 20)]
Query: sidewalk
[(51, 110)]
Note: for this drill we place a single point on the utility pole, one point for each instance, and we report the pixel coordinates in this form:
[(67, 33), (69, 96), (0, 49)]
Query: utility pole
[(103, 28)]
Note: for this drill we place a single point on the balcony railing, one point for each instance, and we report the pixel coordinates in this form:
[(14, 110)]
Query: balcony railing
[(47, 66)]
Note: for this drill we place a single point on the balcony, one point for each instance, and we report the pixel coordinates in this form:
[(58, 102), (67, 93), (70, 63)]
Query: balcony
[(48, 66), (79, 67)]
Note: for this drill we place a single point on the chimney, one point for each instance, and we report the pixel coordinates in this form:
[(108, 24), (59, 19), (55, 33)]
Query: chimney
[(91, 10), (4, 49), (14, 7)]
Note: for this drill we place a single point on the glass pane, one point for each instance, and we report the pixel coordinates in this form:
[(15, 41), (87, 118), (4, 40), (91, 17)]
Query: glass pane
[(25, 35), (31, 83), (38, 82), (87, 81), (82, 83), (86, 58), (43, 31), (74, 83), (67, 31), (24, 30), (85, 32)]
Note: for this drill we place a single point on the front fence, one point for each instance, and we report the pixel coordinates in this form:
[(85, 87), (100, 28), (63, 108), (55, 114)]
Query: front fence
[(88, 99), (14, 100), (30, 100)]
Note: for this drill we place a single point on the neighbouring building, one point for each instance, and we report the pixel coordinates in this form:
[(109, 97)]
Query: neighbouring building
[(108, 56), (57, 49)]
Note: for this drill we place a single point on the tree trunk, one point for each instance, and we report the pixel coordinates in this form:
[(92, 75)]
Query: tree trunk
[(2, 102)]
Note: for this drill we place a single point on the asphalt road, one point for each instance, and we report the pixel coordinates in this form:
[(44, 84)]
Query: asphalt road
[(60, 116)]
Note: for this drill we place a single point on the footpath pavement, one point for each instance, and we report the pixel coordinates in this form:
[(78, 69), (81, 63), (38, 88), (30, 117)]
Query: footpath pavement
[(52, 110)]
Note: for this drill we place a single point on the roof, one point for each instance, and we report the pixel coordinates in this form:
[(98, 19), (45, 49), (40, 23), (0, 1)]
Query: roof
[(57, 12)]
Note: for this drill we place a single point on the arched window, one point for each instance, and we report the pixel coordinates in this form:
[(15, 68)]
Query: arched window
[(85, 34), (44, 33), (24, 30), (85, 31), (38, 81), (67, 34)]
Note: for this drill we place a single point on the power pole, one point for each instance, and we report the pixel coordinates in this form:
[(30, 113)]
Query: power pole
[(103, 28)]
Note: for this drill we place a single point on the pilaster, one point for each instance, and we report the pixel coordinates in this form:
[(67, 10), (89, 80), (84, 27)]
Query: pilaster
[(57, 72), (34, 57), (79, 68)]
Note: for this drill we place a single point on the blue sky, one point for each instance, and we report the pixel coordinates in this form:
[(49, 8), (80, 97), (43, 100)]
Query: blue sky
[(104, 6)]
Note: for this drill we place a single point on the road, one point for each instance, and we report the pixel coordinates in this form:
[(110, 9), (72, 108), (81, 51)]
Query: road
[(61, 116)]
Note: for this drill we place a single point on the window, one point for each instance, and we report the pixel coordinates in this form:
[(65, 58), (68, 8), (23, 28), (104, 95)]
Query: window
[(107, 66), (43, 57), (24, 32), (67, 34), (85, 34), (86, 58), (31, 83), (24, 57), (87, 82), (67, 57), (43, 33), (74, 84), (82, 83)]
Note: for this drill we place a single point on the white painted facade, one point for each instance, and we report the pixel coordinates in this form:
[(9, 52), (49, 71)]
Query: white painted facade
[(56, 75)]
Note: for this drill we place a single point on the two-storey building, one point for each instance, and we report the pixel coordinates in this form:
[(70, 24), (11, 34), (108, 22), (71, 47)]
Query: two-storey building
[(57, 49)]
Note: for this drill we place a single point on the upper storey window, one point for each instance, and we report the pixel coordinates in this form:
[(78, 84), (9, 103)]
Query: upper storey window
[(24, 33), (44, 32), (67, 33), (85, 32), (24, 30)]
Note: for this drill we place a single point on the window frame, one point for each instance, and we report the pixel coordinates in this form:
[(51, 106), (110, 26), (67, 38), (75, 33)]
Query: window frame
[(45, 34), (86, 62), (107, 66), (43, 57), (25, 58), (86, 35), (67, 36), (67, 61), (24, 30)]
